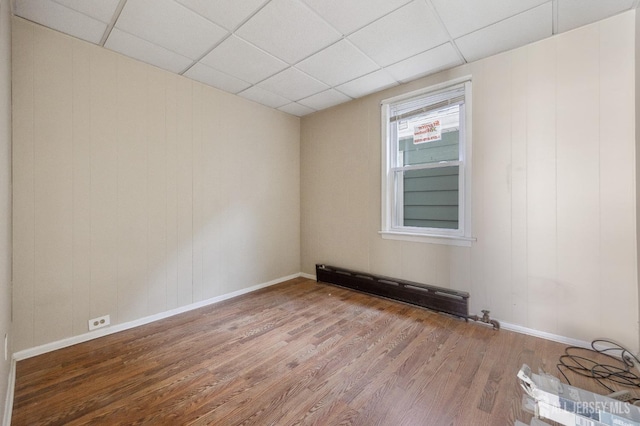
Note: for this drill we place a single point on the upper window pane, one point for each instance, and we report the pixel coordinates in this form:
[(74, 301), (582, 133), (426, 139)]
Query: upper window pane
[(429, 138)]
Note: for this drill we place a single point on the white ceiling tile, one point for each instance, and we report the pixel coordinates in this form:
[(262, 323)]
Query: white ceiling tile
[(338, 64), (264, 97), (295, 108), (293, 84), (289, 30), (371, 83), (325, 99), (401, 34), (170, 25), (573, 14), (61, 18), (236, 57), (434, 60), (217, 79), (227, 13), (465, 16), (348, 16), (101, 10), (144, 51), (516, 31)]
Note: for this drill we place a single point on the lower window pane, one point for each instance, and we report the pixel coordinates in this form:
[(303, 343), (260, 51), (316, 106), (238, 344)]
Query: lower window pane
[(431, 198)]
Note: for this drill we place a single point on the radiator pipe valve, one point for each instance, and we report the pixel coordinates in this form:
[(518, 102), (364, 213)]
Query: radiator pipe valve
[(485, 318)]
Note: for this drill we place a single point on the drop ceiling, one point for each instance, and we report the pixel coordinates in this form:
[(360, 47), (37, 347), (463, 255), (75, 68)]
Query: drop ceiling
[(301, 56)]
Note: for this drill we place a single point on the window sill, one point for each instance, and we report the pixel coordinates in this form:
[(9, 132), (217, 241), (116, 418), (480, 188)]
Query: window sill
[(450, 240)]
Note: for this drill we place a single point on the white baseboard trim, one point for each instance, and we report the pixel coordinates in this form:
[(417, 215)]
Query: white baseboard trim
[(309, 276), (70, 341), (8, 403), (544, 335)]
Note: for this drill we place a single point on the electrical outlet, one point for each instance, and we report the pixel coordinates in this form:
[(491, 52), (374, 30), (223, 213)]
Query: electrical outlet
[(99, 322)]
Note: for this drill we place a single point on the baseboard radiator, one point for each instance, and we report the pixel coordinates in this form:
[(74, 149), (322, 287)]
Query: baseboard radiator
[(439, 299)]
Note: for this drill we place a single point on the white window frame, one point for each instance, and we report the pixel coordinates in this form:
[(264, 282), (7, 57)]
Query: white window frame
[(391, 198)]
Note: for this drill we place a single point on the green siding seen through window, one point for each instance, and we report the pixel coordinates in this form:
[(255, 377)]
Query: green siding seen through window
[(430, 196)]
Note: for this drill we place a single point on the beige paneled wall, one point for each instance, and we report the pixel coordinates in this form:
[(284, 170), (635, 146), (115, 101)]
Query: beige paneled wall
[(5, 196), (637, 120), (138, 191), (553, 188)]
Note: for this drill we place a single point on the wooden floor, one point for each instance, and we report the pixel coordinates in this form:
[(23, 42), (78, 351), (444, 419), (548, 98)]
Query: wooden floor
[(296, 353)]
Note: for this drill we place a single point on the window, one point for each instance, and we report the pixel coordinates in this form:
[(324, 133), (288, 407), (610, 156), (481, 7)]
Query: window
[(426, 165)]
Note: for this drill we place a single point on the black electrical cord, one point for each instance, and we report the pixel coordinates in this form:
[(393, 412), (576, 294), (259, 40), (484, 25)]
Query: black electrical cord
[(619, 371)]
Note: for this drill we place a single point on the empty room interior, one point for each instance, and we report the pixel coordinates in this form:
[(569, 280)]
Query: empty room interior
[(284, 212)]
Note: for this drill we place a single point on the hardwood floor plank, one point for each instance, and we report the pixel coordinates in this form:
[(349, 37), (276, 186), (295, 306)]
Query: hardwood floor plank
[(297, 353)]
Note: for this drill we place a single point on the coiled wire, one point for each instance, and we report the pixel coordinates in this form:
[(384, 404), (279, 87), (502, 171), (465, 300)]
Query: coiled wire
[(619, 371)]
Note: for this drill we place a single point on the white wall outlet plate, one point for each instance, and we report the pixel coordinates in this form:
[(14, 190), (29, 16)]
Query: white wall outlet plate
[(99, 322)]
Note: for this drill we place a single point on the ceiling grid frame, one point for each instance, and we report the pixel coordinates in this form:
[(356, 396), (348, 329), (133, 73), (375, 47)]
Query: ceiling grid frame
[(465, 26)]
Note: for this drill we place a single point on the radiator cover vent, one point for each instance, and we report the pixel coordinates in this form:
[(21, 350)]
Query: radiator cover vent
[(436, 298)]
